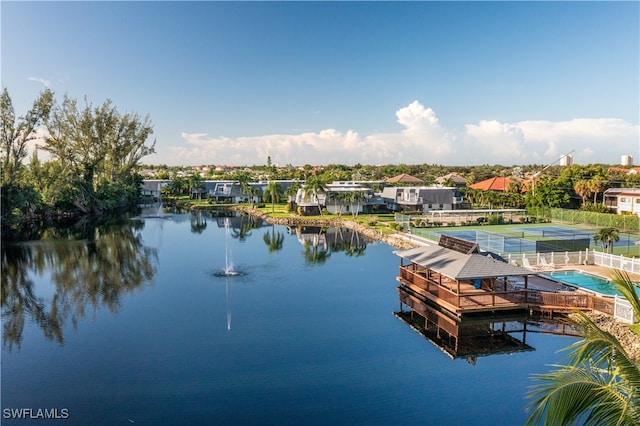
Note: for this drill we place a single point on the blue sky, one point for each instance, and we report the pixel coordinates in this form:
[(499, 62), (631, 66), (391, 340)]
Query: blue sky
[(449, 83)]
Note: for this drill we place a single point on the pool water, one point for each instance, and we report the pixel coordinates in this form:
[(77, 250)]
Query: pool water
[(585, 281)]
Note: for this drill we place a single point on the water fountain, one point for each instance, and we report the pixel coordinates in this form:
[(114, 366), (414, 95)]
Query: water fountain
[(228, 261)]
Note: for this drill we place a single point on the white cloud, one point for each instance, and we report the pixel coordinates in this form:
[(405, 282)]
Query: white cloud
[(43, 81), (595, 140), (421, 140)]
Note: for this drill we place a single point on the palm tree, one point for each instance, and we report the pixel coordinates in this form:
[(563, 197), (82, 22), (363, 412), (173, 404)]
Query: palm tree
[(596, 185), (314, 186), (291, 192), (196, 184), (337, 197), (606, 236), (355, 197), (243, 181), (601, 383), (583, 189), (274, 192)]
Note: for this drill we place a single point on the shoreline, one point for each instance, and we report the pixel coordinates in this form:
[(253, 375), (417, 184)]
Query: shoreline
[(628, 339), (393, 240)]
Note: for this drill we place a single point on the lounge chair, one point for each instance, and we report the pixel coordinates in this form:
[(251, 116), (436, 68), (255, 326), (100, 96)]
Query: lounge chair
[(545, 264), (526, 264)]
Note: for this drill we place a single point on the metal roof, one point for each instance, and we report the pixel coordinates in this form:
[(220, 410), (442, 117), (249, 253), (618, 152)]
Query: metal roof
[(460, 266)]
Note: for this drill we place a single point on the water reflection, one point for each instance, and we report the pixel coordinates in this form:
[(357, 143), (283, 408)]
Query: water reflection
[(320, 242), (198, 222), (274, 240), (98, 270), (474, 337)]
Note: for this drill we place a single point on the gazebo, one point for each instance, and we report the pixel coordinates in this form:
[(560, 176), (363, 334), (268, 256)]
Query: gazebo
[(457, 277)]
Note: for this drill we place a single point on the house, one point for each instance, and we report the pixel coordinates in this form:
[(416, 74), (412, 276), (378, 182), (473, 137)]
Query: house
[(404, 179), (454, 178), (623, 170), (623, 200), (497, 183), (152, 187), (411, 198), (335, 201)]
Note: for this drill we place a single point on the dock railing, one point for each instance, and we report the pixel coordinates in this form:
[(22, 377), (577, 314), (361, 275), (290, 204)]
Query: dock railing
[(567, 301), (447, 293)]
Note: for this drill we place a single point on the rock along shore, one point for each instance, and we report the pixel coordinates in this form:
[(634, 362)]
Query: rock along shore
[(629, 340), (393, 240)]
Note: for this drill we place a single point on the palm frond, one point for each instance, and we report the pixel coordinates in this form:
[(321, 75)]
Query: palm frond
[(604, 350), (580, 394)]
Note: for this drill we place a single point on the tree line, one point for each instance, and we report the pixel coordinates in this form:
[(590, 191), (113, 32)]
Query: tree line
[(94, 154)]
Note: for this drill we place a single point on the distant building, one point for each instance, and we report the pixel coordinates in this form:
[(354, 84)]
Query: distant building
[(566, 160), (623, 200), (404, 178), (626, 160), (454, 178)]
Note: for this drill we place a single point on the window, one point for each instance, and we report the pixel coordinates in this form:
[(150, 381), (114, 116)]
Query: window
[(624, 200)]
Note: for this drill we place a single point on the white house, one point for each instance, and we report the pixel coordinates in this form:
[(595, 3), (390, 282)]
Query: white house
[(422, 198), (623, 200), (333, 199)]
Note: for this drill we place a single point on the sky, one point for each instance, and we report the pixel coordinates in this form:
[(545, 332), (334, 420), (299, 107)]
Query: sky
[(237, 83)]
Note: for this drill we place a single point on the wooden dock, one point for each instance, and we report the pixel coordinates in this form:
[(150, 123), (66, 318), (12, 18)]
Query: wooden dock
[(463, 298)]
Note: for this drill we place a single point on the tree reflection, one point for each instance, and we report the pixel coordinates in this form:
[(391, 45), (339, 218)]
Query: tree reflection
[(198, 222), (319, 242), (243, 230), (97, 271), (274, 241)]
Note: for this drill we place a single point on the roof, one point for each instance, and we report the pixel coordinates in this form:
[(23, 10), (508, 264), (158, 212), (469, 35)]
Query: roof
[(460, 266), (612, 192), (453, 177), (404, 178), (630, 171), (493, 184)]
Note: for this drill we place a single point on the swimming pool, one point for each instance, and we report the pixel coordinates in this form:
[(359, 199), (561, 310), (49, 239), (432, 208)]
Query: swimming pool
[(585, 281)]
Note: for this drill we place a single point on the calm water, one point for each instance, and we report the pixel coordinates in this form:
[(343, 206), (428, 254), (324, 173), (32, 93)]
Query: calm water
[(138, 325)]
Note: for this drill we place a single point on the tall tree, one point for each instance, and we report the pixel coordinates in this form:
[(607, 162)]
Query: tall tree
[(583, 189), (196, 185), (597, 185), (338, 197), (354, 198), (98, 144), (313, 187), (16, 134), (291, 192), (273, 192)]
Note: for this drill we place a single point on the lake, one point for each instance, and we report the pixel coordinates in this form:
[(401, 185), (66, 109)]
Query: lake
[(138, 323)]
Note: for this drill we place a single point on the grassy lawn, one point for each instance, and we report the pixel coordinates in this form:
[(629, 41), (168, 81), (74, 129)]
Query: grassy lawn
[(382, 221)]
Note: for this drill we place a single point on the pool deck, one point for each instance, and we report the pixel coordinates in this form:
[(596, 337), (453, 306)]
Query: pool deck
[(601, 271)]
